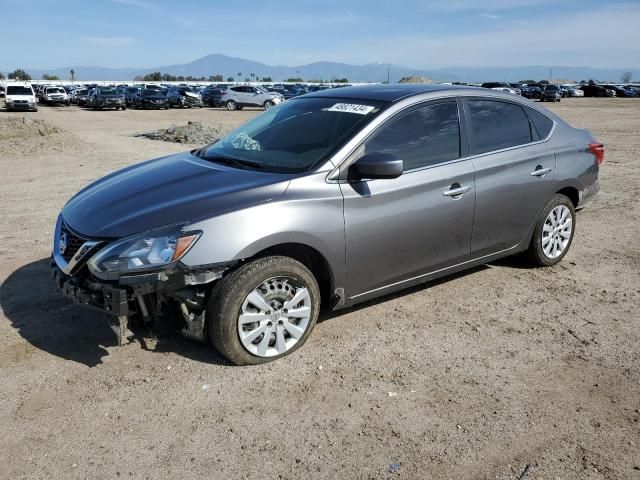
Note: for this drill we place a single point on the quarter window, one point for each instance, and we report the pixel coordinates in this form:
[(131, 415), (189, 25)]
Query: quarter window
[(425, 136), (541, 122), (495, 125)]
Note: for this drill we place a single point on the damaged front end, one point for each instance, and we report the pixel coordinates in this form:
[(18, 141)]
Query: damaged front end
[(135, 281)]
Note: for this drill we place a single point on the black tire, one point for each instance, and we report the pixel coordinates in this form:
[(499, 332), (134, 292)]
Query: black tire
[(231, 105), (229, 294), (535, 253), (124, 108), (268, 104), (240, 108)]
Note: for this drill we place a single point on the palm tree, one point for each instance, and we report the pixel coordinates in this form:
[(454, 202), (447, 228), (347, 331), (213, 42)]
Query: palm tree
[(73, 75)]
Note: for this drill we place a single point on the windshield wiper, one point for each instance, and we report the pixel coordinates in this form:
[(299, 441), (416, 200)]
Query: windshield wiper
[(236, 162)]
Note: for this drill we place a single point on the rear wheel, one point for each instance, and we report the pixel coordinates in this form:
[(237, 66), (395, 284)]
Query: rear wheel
[(554, 232), (263, 311), (231, 105)]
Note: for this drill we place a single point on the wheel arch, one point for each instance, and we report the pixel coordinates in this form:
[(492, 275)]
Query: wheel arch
[(572, 193), (311, 258)]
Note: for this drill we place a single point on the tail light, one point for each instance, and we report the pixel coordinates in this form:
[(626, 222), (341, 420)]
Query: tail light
[(598, 151)]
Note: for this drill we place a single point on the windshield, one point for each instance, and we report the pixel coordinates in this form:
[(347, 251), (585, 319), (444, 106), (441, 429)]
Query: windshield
[(151, 93), (107, 91), (294, 136), (18, 90), (55, 90)]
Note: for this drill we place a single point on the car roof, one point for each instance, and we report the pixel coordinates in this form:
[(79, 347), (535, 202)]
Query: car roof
[(387, 93)]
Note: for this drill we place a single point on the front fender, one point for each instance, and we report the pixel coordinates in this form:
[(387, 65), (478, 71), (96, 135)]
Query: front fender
[(310, 213)]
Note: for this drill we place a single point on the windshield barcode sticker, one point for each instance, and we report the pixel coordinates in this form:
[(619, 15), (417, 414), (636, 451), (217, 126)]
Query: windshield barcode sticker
[(351, 108)]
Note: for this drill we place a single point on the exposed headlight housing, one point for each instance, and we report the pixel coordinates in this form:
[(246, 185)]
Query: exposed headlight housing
[(138, 253)]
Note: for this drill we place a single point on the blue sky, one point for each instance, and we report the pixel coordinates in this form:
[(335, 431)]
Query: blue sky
[(418, 34)]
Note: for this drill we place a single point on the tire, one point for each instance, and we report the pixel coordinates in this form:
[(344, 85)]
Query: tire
[(231, 296), (124, 108), (240, 108), (536, 253), (231, 105), (268, 104)]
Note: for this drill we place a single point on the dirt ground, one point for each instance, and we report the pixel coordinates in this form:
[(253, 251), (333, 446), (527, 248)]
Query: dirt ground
[(472, 377)]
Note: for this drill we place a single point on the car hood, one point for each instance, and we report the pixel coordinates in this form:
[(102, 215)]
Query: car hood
[(167, 191)]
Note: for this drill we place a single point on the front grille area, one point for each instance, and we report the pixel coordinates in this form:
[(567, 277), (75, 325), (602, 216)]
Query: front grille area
[(74, 242)]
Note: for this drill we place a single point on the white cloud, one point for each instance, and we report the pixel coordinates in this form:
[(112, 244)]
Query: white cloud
[(607, 37), (490, 16), (108, 41), (494, 5)]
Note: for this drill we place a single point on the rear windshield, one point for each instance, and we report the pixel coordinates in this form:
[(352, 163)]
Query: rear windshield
[(107, 91), (294, 136), (19, 90), (152, 93)]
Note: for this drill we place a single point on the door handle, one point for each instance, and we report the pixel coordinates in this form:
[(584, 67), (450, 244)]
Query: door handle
[(540, 172), (456, 190)]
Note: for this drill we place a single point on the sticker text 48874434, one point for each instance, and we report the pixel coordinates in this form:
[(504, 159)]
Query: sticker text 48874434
[(351, 108)]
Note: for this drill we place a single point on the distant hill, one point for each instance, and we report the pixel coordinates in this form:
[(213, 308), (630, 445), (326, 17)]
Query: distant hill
[(372, 72)]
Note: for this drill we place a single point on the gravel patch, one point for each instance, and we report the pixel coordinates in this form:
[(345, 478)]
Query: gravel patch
[(192, 133)]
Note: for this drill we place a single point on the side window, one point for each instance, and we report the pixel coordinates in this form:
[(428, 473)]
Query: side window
[(426, 136), (235, 89), (495, 125), (541, 122)]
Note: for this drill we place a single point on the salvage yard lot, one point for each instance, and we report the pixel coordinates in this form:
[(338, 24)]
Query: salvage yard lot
[(474, 376)]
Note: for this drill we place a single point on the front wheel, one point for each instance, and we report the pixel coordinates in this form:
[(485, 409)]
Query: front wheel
[(268, 104), (263, 311), (554, 232), (231, 105)]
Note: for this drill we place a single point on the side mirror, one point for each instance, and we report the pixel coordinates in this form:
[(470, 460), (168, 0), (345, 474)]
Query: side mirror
[(376, 165)]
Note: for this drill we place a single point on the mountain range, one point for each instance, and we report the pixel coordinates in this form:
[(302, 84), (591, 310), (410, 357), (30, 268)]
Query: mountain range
[(373, 72)]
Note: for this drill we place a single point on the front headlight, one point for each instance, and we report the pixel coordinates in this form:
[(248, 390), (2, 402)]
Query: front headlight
[(141, 252)]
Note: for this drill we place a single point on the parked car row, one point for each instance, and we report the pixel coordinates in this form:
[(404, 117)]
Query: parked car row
[(236, 97), (554, 93)]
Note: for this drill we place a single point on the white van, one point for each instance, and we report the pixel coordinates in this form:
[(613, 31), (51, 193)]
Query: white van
[(20, 96)]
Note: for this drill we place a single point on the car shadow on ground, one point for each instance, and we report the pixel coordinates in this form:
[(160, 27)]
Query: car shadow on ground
[(31, 301), (41, 315)]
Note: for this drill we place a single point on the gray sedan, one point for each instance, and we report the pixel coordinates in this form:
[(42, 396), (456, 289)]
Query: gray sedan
[(324, 201)]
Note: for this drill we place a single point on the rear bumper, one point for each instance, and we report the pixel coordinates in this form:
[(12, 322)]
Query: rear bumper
[(588, 194)]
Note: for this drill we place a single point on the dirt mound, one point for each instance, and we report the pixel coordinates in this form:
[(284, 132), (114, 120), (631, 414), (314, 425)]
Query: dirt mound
[(28, 136), (196, 133)]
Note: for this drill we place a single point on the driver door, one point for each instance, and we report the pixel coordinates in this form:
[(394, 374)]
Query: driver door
[(398, 230)]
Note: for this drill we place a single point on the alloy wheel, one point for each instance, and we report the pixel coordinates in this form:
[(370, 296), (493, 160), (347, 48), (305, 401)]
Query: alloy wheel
[(274, 316), (556, 232)]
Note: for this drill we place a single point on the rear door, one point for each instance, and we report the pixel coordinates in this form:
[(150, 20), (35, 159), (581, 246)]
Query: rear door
[(398, 229), (515, 171)]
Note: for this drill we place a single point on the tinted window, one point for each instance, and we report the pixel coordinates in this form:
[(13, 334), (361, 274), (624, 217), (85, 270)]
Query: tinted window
[(425, 136), (541, 122), (18, 90), (495, 125), (295, 135)]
